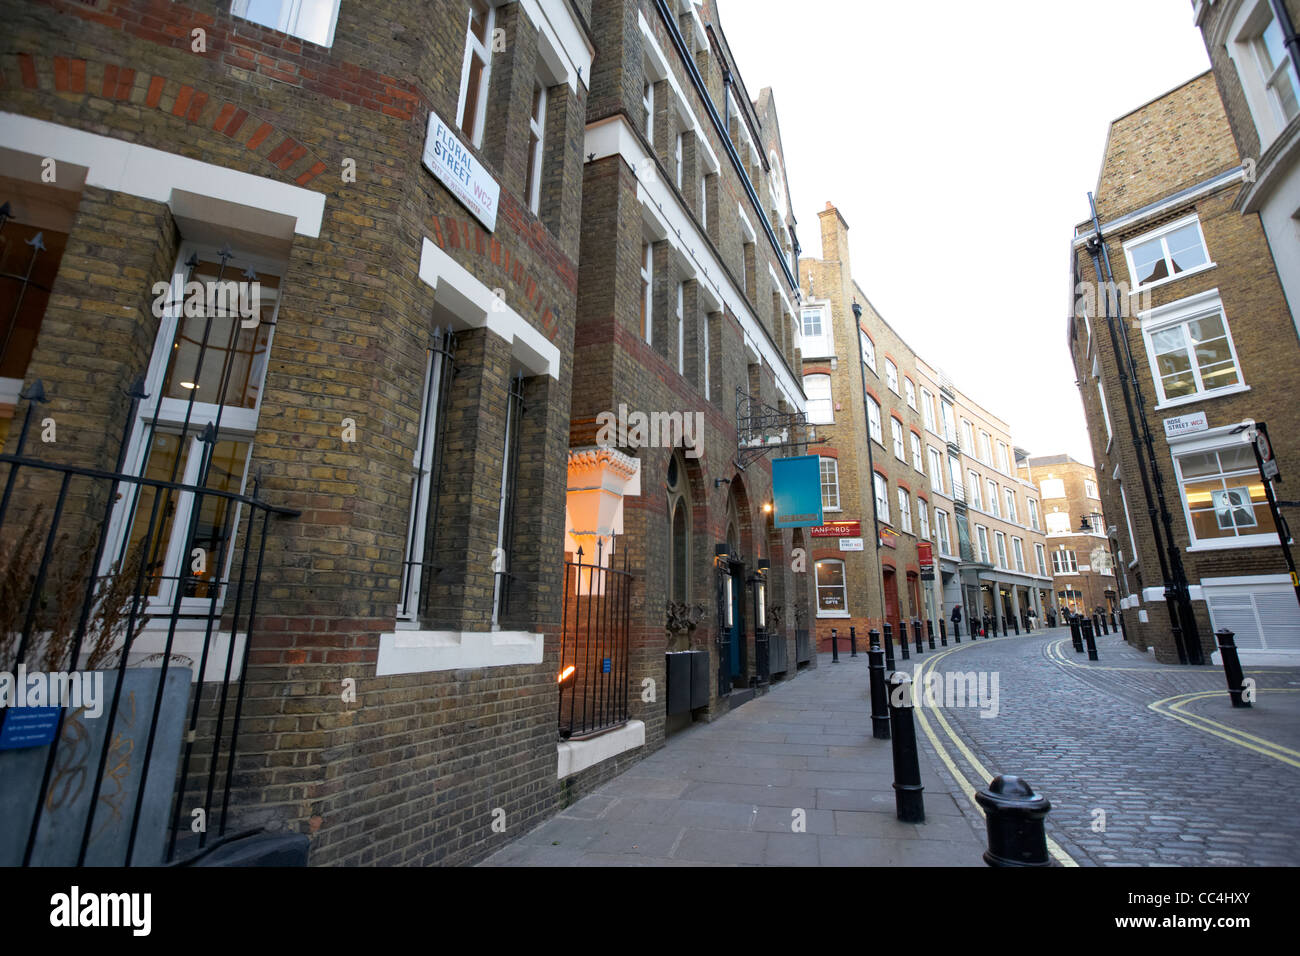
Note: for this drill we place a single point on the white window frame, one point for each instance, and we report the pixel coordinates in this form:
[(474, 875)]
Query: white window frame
[(927, 411), (1004, 461), (681, 328), (896, 433), (909, 393), (991, 486), (905, 510), (483, 50), (918, 459), (1018, 553), (834, 474), (704, 202), (967, 437), (829, 400), (891, 376), (1040, 555), (844, 587), (1067, 525), (290, 16), (975, 491), (982, 542), (1065, 561), (985, 447), (821, 345), (936, 468), (537, 131), (1183, 311), (1000, 543), (881, 489), (418, 518), (923, 516), (868, 350), (1090, 489), (875, 428), (1217, 439), (942, 531), (237, 424), (1009, 499), (648, 281), (706, 359), (1035, 520), (1244, 35), (1163, 234), (648, 104)]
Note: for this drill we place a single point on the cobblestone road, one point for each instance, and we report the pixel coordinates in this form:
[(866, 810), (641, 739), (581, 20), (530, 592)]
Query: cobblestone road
[(1192, 783)]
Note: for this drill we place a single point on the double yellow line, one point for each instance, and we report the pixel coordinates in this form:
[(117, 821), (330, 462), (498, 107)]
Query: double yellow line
[(1175, 707), (968, 788)]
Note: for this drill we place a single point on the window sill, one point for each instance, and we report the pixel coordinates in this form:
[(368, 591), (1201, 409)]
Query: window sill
[(827, 615), (577, 755), (1202, 397), (1231, 544), (418, 652)]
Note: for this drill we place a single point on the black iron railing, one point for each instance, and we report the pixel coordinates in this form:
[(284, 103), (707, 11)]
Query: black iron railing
[(69, 610), (594, 643)]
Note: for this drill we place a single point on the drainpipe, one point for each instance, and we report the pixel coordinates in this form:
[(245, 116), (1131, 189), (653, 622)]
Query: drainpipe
[(1289, 36), (1177, 596), (871, 470)]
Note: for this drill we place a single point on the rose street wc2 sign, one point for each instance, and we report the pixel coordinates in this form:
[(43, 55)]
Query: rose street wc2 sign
[(458, 169)]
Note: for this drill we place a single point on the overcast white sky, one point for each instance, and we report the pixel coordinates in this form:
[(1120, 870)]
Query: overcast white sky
[(960, 140)]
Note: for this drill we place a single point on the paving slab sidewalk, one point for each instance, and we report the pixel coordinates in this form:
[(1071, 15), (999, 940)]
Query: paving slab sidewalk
[(727, 793)]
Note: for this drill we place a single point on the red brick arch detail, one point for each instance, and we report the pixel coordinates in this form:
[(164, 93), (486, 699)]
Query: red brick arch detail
[(827, 556), (817, 370), (827, 451), (153, 91)]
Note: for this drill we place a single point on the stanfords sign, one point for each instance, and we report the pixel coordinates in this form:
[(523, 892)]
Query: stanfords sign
[(459, 170), (841, 529)]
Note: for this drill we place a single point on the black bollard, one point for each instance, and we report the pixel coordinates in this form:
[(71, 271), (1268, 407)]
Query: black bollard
[(1076, 634), (889, 647), (943, 634), (1089, 638), (853, 642), (956, 630), (1015, 623), (879, 694), (1114, 624), (903, 642), (929, 632), (1096, 624), (1016, 818), (920, 639), (835, 647), (1232, 667), (1004, 625), (907, 768)]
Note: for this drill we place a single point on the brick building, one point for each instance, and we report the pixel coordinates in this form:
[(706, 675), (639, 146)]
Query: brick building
[(1252, 53), (989, 530), (891, 464), (686, 303), (1079, 546), (476, 229), (1196, 340)]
